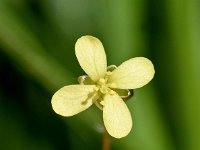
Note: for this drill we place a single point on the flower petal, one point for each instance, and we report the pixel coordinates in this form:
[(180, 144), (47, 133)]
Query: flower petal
[(116, 116), (73, 99), (133, 73), (91, 56)]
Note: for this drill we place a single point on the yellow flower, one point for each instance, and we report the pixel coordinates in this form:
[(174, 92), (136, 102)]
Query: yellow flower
[(103, 86)]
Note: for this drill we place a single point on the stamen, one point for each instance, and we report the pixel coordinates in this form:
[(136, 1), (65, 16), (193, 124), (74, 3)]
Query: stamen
[(102, 103), (108, 73), (113, 85), (111, 92), (96, 88), (104, 89), (101, 81)]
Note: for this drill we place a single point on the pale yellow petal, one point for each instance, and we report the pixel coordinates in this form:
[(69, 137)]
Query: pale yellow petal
[(133, 73), (73, 99), (91, 56), (116, 116)]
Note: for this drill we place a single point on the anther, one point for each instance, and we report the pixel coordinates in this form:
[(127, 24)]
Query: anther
[(111, 92), (108, 73), (96, 88), (112, 85), (101, 81), (104, 89), (102, 103)]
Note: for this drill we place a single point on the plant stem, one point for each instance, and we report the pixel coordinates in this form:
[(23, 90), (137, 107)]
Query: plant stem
[(106, 141)]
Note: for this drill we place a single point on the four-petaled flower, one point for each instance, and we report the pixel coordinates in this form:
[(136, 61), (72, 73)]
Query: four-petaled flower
[(104, 86)]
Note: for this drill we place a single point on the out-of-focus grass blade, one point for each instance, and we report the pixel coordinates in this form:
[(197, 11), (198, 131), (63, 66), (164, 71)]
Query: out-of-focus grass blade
[(120, 23), (20, 44), (184, 23), (126, 40), (22, 47), (14, 135)]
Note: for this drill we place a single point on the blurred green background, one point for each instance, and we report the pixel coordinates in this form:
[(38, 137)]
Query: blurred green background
[(37, 58)]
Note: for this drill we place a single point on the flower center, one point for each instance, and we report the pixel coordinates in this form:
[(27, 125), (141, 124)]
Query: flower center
[(101, 82), (104, 87)]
